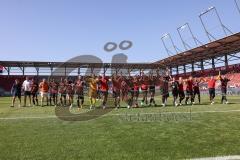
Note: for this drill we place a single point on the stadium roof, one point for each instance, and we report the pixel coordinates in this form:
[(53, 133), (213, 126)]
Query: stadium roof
[(219, 48), (81, 65)]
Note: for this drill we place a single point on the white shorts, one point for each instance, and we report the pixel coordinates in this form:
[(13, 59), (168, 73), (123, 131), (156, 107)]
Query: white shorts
[(43, 94)]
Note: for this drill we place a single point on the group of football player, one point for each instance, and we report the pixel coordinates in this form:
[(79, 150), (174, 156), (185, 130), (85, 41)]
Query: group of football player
[(128, 89)]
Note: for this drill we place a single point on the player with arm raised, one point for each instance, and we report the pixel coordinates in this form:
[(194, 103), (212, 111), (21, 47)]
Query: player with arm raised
[(224, 83), (211, 88)]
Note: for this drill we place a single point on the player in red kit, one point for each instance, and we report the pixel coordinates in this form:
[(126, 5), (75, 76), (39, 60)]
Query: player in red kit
[(104, 90), (116, 87), (211, 88), (189, 90), (152, 86), (136, 90), (79, 91), (196, 90), (53, 92), (144, 88), (62, 92), (181, 90)]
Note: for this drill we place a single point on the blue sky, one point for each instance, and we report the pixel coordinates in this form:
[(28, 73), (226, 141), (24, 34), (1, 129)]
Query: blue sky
[(57, 30)]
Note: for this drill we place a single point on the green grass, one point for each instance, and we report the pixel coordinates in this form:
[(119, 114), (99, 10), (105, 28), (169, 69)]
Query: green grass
[(207, 134)]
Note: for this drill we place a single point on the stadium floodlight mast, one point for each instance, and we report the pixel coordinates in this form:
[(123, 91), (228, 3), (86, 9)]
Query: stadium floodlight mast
[(185, 44), (238, 8), (209, 35), (169, 52)]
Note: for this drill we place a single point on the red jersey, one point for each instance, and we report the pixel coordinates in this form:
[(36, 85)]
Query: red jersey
[(136, 85), (189, 85), (116, 85), (144, 85), (212, 83), (79, 87), (180, 87), (104, 84), (69, 88), (124, 86), (62, 88), (54, 87)]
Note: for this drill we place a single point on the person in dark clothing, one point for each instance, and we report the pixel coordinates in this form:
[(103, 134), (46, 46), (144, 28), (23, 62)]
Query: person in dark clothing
[(165, 90), (34, 91), (196, 90), (181, 90), (224, 81), (16, 92), (175, 91), (152, 84), (130, 91)]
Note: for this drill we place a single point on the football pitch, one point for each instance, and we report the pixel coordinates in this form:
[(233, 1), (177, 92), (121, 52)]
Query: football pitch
[(185, 132)]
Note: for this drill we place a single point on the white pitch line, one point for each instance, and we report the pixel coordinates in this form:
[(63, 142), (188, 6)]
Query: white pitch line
[(235, 157), (105, 115)]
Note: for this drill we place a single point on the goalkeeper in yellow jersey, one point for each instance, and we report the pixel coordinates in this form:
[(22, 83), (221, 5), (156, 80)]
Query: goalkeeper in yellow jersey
[(92, 81)]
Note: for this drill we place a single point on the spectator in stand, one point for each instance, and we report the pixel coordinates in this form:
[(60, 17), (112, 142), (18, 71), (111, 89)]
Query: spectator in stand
[(26, 86), (16, 92), (44, 87), (224, 81)]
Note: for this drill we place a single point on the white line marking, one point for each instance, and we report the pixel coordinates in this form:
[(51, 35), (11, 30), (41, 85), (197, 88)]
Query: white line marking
[(235, 157), (128, 114)]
